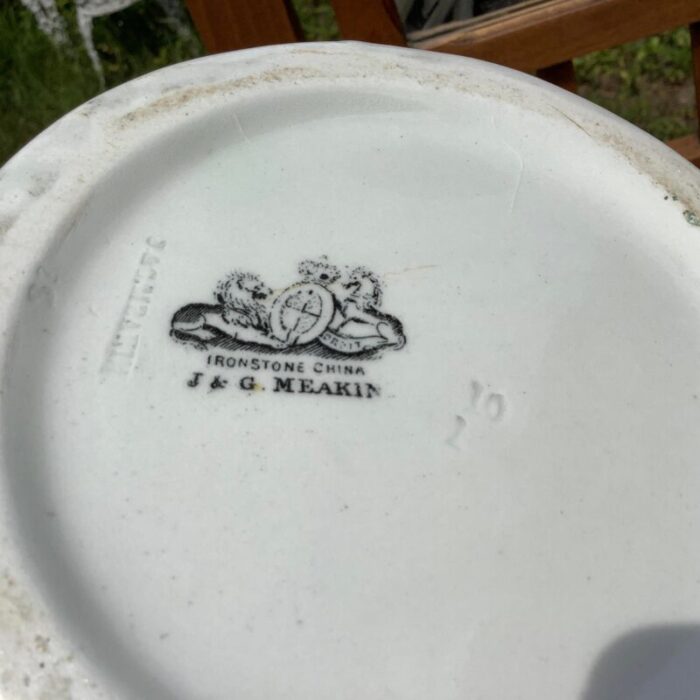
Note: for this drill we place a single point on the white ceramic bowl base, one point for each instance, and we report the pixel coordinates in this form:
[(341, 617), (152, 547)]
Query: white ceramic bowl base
[(455, 458)]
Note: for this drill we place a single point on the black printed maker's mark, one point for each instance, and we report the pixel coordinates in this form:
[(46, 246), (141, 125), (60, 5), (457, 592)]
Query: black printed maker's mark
[(285, 385), (328, 312)]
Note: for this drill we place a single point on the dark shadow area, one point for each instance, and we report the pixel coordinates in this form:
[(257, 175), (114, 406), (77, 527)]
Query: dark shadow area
[(427, 14), (652, 663)]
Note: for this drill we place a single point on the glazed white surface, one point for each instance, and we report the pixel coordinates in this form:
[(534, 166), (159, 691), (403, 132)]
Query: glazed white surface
[(519, 500)]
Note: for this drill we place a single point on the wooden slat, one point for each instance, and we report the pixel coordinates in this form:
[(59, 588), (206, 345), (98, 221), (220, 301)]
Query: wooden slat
[(561, 74), (695, 48), (369, 20), (494, 16), (226, 25), (688, 147), (544, 34)]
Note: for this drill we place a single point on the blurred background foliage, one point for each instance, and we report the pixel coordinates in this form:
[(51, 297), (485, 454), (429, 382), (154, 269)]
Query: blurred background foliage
[(647, 82), (39, 81)]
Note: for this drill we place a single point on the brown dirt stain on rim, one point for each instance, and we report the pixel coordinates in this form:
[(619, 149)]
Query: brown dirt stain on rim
[(642, 157), (181, 97)]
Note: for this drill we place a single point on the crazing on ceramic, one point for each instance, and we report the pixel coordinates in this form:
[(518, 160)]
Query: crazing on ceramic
[(341, 371)]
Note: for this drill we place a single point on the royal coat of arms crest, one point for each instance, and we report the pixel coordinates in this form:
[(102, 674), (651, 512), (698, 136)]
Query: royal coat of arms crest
[(328, 311)]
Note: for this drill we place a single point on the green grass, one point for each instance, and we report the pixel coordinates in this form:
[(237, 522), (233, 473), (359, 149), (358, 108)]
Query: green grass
[(317, 19), (40, 82), (647, 82)]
